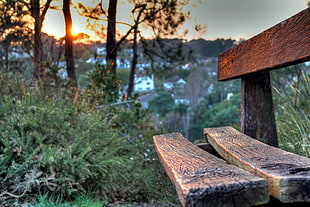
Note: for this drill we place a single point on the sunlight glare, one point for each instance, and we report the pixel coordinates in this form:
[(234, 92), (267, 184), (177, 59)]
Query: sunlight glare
[(75, 30)]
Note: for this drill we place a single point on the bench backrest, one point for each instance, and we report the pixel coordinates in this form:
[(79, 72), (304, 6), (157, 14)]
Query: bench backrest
[(284, 44)]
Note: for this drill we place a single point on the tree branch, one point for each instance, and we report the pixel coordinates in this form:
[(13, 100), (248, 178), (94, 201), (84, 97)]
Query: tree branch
[(46, 7)]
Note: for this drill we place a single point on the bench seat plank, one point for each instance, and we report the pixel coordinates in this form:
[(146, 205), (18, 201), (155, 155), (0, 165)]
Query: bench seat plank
[(202, 179), (287, 174)]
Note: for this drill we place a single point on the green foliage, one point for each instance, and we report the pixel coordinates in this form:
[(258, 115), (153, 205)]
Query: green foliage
[(61, 147), (58, 148), (225, 113), (103, 85), (182, 73), (44, 202), (181, 108), (292, 87), (80, 201), (161, 104), (83, 81), (123, 75)]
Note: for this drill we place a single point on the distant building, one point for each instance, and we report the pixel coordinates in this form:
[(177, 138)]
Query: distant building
[(123, 63), (181, 101), (144, 83), (143, 67), (101, 51), (175, 84)]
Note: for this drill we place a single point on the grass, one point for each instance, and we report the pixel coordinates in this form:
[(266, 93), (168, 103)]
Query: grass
[(81, 201), (292, 88)]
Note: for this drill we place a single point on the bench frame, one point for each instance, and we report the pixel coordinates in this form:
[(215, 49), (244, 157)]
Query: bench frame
[(284, 44)]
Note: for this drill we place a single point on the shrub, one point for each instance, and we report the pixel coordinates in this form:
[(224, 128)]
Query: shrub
[(60, 146), (162, 103), (103, 84)]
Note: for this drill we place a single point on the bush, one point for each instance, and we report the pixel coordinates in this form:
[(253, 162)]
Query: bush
[(62, 147), (225, 113), (103, 84), (162, 103), (58, 148)]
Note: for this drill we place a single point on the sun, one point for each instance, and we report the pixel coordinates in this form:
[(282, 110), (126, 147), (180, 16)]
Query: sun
[(54, 24), (76, 30)]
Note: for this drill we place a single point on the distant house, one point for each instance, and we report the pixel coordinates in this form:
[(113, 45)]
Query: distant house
[(18, 55), (101, 51), (144, 83), (143, 67), (176, 84), (181, 101), (123, 63)]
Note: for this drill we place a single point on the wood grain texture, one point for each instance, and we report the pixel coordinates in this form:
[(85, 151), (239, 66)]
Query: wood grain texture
[(287, 174), (257, 112), (202, 179), (284, 44)]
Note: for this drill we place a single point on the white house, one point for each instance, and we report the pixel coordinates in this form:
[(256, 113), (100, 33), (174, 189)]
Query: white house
[(144, 83), (174, 83), (181, 101), (123, 63), (101, 51)]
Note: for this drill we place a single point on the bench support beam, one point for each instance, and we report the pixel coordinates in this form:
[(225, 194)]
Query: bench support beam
[(284, 44), (257, 113)]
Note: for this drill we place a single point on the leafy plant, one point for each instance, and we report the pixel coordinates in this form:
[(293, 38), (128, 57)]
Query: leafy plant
[(60, 146), (103, 85), (161, 104), (56, 148), (225, 113)]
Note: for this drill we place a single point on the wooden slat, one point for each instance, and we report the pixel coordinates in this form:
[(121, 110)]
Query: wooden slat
[(287, 174), (284, 44), (202, 179)]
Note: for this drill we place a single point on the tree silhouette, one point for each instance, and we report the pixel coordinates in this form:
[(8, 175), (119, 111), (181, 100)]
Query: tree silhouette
[(39, 15), (164, 17), (111, 41), (69, 42), (14, 30)]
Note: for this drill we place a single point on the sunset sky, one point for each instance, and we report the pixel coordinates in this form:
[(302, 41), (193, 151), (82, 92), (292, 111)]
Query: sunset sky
[(223, 18)]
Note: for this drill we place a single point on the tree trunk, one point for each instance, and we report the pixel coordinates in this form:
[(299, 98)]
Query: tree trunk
[(135, 53), (37, 72), (38, 50), (133, 64), (69, 42), (6, 46), (111, 42)]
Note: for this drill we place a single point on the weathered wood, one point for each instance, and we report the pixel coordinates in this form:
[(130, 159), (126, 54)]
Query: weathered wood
[(284, 44), (202, 179), (257, 113), (287, 174)]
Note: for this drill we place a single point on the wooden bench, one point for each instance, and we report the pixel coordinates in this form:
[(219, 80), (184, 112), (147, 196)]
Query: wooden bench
[(202, 179), (251, 173)]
